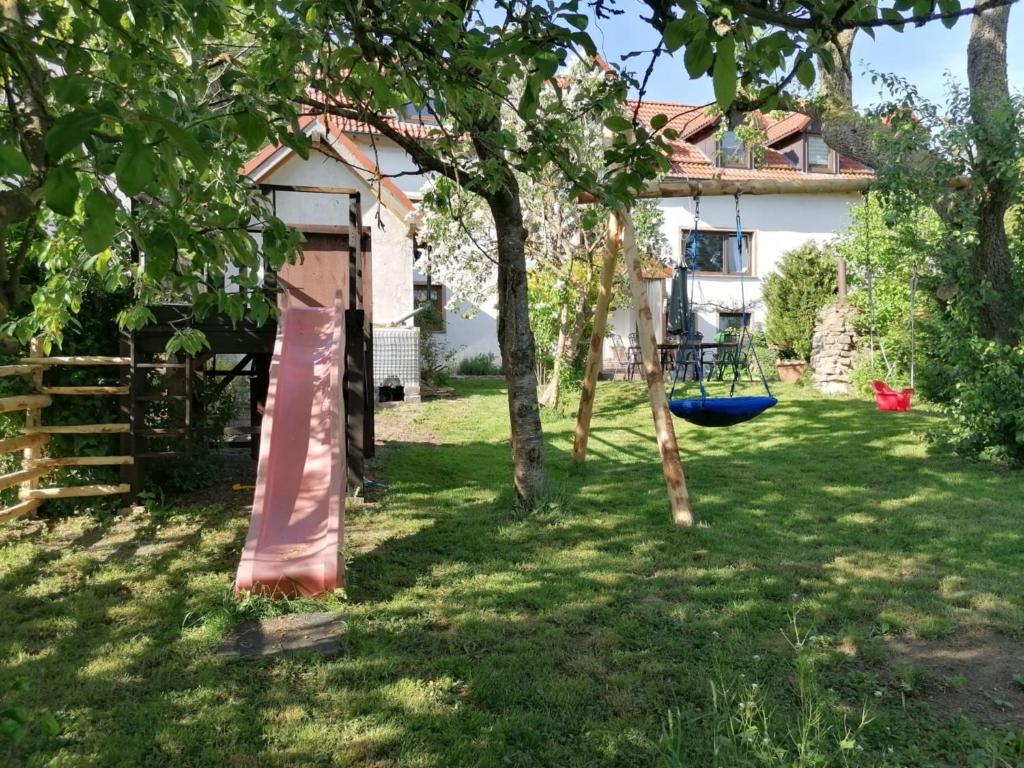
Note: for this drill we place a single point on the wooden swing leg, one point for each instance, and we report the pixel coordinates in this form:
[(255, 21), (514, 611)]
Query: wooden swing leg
[(594, 351), (672, 467)]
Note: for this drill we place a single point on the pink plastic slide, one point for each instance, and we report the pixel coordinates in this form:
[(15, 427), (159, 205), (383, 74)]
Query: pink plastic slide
[(297, 522)]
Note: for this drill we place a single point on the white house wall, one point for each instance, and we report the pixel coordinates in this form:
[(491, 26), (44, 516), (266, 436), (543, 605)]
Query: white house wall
[(470, 329), (393, 163), (391, 244), (778, 223)]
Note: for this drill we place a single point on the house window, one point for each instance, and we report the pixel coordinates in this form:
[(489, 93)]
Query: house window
[(730, 323), (716, 253), (731, 151), (818, 155), (431, 297), (414, 113)]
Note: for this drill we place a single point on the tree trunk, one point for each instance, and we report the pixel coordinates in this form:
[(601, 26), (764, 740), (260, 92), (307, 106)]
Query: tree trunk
[(991, 273), (571, 322), (553, 390), (672, 467), (992, 112), (515, 339)]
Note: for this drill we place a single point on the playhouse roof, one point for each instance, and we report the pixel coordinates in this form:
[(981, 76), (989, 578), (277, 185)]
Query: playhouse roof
[(336, 142)]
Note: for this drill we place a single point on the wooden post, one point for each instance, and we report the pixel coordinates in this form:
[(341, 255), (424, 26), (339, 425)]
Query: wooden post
[(354, 380), (595, 352), (130, 471), (841, 279), (33, 420), (675, 480), (366, 296)]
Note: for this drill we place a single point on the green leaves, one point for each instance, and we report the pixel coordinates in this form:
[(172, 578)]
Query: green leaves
[(136, 165), (698, 57), (724, 74), (70, 89), (805, 72), (675, 35), (188, 144), (949, 7), (259, 307), (60, 190), (191, 341), (160, 250), (577, 20), (617, 123), (252, 129), (100, 222), (659, 121), (13, 162), (70, 130)]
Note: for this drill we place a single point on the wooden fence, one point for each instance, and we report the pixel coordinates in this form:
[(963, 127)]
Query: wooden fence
[(35, 434)]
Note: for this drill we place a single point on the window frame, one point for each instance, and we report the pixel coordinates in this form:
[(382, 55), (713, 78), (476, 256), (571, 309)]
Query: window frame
[(830, 165), (438, 302), (723, 158), (748, 249)]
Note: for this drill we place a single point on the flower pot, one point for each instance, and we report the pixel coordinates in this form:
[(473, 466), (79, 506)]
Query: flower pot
[(790, 371)]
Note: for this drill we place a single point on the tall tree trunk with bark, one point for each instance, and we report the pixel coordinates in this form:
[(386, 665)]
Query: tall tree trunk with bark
[(991, 273), (991, 110), (572, 320), (515, 339)]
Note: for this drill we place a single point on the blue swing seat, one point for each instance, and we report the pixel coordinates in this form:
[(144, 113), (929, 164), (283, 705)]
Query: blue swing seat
[(720, 411)]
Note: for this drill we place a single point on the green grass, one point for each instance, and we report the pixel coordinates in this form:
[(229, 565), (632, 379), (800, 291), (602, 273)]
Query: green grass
[(481, 637)]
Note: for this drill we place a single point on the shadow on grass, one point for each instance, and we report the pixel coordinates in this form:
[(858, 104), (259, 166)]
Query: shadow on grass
[(478, 636)]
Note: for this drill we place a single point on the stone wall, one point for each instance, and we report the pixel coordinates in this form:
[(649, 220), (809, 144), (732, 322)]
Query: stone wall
[(834, 349)]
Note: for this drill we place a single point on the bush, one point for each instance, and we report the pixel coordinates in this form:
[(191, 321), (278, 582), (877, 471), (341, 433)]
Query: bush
[(804, 283), (478, 365), (435, 360), (766, 355), (977, 385), (890, 245)]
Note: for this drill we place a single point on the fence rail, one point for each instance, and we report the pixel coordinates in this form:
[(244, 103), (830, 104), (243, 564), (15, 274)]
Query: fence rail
[(35, 434)]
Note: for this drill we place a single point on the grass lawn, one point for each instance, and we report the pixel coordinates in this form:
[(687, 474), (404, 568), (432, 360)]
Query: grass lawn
[(590, 633)]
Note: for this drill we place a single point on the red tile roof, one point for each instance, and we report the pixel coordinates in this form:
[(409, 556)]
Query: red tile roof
[(689, 162), (792, 123)]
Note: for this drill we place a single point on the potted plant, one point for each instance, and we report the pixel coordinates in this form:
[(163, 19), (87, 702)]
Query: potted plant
[(803, 283)]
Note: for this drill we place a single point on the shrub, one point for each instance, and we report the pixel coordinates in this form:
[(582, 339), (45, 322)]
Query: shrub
[(435, 360), (478, 365), (890, 245), (977, 385), (804, 283)]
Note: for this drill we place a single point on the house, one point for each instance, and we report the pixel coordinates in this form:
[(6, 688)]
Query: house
[(350, 154), (347, 154), (816, 189)]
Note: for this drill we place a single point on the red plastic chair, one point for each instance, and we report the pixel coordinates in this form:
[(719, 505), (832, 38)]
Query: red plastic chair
[(888, 399)]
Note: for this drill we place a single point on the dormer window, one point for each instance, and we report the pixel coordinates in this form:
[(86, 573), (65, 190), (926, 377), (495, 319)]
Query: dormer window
[(731, 151), (819, 156)]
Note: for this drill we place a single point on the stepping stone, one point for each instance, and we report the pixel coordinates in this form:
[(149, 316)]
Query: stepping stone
[(318, 633)]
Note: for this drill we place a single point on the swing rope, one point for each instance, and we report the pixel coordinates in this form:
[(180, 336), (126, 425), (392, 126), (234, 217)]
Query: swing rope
[(688, 258), (688, 352), (746, 337)]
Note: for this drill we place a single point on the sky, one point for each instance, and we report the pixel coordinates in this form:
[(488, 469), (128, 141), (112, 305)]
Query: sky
[(922, 55)]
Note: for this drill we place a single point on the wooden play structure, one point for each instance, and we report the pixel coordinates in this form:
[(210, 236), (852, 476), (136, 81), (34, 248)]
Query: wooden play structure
[(152, 382)]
